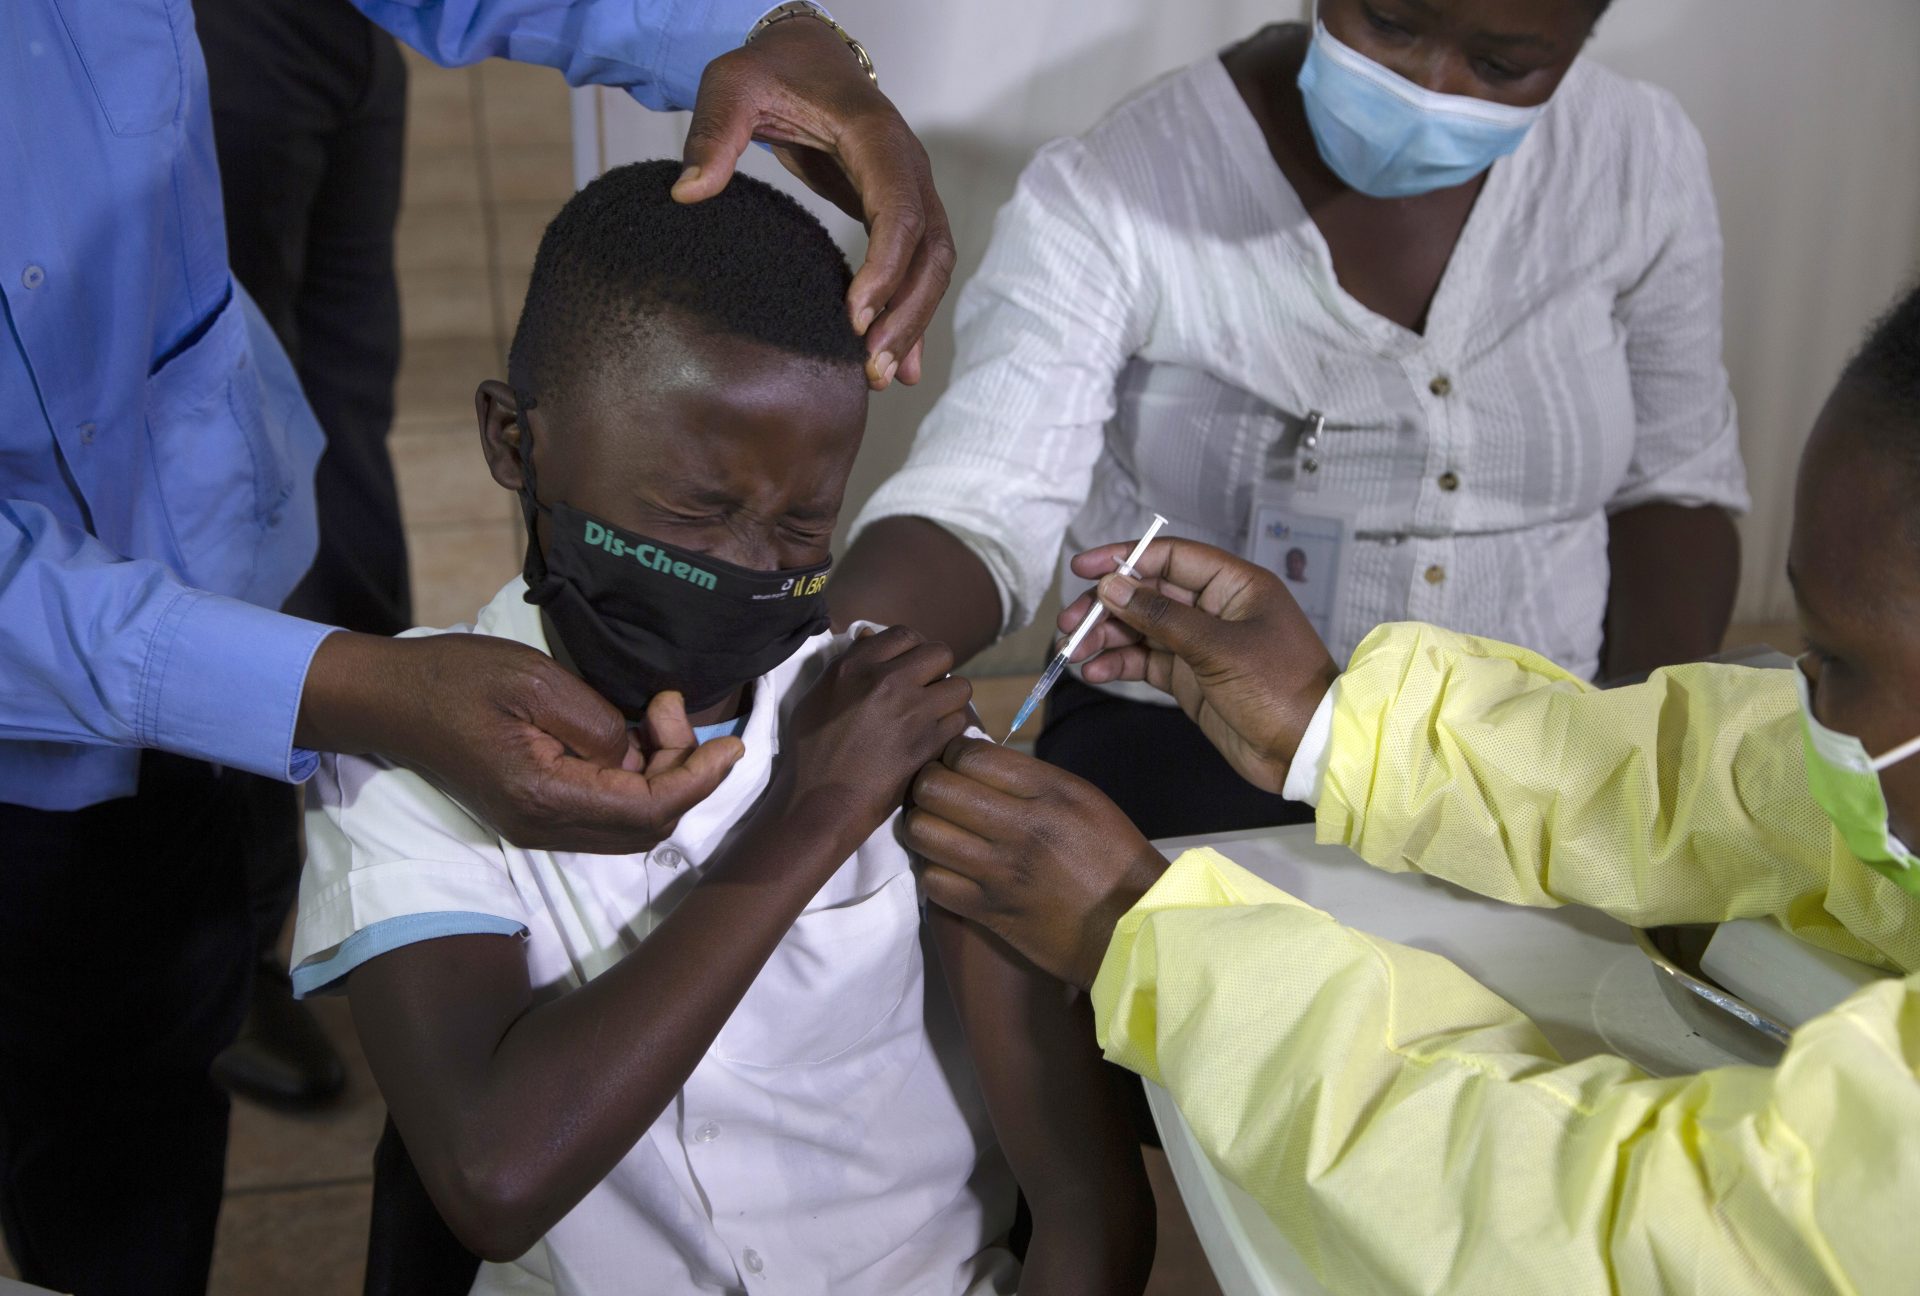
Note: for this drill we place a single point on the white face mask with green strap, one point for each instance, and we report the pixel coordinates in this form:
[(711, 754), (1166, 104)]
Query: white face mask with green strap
[(1846, 783)]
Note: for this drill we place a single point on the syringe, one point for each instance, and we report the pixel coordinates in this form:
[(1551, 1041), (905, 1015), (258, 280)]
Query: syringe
[(1051, 675)]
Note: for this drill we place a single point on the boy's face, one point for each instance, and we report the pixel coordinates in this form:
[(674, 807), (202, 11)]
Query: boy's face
[(1856, 576), (716, 444)]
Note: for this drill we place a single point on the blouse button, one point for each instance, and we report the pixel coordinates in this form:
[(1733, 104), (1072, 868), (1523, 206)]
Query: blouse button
[(707, 1133), (32, 277), (751, 1259), (1449, 481), (1436, 574), (670, 857), (1441, 386)]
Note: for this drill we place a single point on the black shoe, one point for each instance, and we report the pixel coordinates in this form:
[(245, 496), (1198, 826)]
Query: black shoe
[(282, 1058)]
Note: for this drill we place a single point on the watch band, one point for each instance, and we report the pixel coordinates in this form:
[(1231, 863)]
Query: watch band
[(804, 9)]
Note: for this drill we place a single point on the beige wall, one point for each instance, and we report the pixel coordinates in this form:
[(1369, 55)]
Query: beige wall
[(1811, 113)]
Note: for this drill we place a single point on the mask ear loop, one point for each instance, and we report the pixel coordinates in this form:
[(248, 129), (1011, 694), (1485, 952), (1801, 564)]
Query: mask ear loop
[(1898, 754), (1878, 763)]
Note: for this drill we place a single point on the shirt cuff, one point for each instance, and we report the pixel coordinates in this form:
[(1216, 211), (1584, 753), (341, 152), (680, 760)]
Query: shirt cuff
[(1308, 773), (327, 974), (222, 683), (699, 34)]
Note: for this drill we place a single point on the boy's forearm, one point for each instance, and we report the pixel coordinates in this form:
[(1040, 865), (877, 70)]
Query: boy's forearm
[(514, 1121), (1060, 1111)]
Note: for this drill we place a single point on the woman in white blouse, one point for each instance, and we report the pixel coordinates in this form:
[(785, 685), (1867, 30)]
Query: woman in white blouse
[(1416, 306)]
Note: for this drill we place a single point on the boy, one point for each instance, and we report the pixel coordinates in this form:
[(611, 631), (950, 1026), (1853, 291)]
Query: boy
[(716, 1066)]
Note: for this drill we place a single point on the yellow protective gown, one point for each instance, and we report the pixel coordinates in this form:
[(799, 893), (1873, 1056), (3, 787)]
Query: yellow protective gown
[(1410, 1131)]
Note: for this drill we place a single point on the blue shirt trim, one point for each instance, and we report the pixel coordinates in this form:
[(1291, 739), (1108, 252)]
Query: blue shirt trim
[(725, 729), (328, 975)]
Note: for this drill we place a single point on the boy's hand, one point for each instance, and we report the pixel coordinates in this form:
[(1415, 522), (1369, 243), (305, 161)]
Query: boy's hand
[(882, 709), (539, 756)]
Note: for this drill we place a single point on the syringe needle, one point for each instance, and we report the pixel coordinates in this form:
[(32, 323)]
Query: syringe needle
[(1058, 665)]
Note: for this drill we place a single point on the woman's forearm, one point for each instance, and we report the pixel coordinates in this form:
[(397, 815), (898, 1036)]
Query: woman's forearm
[(913, 572), (1674, 573)]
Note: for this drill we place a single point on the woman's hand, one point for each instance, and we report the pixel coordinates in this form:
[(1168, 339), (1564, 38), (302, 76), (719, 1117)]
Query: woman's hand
[(1220, 635), (882, 709), (1029, 852)]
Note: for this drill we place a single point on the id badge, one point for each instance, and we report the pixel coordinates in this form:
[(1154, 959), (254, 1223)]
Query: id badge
[(1305, 535)]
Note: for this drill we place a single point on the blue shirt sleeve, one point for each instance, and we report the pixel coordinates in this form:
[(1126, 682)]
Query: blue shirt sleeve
[(656, 49), (107, 651), (328, 975)]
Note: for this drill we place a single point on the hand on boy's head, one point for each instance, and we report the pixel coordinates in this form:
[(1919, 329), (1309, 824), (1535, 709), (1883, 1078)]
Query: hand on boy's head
[(798, 88), (531, 750), (879, 711)]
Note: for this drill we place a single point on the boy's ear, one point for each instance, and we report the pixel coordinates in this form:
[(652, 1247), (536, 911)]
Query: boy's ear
[(502, 437)]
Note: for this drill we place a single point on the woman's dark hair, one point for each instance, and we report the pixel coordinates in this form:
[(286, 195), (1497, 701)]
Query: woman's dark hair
[(1884, 375), (1886, 370), (622, 256)]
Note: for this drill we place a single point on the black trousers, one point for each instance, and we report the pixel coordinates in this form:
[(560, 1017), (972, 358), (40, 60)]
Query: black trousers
[(1154, 764), (309, 114), (125, 964)]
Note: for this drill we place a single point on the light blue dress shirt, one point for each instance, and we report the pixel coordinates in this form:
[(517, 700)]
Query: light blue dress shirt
[(156, 455)]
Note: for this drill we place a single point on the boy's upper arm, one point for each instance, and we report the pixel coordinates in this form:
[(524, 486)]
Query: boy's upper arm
[(430, 1016), (1048, 1089)]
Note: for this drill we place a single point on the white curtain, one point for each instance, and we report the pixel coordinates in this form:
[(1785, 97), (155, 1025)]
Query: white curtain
[(1810, 108), (1811, 113)]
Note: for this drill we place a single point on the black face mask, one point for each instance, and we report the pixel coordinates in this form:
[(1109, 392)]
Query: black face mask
[(638, 616)]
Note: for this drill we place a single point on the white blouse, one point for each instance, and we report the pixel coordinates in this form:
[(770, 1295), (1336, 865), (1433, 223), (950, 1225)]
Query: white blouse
[(833, 1139), (1157, 314)]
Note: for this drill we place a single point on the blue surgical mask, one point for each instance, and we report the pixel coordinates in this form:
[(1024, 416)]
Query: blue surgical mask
[(1390, 138)]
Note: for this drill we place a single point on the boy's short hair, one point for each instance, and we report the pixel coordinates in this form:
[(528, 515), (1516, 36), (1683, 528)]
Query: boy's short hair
[(622, 254)]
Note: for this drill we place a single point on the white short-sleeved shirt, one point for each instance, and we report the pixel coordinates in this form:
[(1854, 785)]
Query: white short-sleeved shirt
[(1157, 314), (832, 1140)]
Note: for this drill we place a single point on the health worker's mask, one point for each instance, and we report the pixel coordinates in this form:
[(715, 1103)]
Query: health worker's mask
[(1390, 138), (1846, 783), (639, 616)]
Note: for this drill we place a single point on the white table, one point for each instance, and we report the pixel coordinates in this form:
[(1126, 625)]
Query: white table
[(1575, 972)]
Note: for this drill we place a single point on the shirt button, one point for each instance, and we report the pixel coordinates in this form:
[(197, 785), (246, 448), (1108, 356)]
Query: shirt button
[(670, 857), (1441, 386), (707, 1133), (86, 433), (1436, 574), (1449, 481), (33, 276), (751, 1259)]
